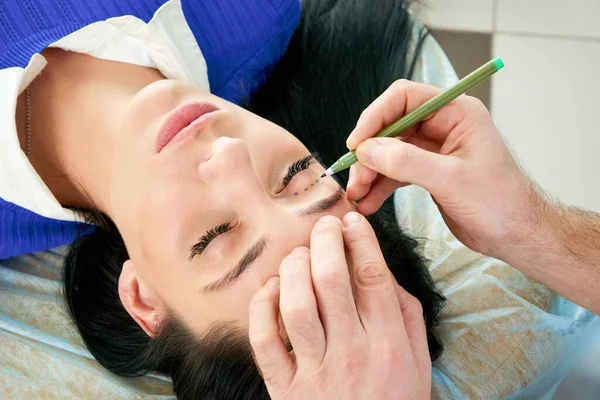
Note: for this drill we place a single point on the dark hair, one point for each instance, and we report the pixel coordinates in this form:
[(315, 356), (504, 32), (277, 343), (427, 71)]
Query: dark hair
[(343, 55)]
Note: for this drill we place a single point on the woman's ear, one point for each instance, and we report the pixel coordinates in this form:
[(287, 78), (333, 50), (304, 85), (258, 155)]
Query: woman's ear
[(138, 299)]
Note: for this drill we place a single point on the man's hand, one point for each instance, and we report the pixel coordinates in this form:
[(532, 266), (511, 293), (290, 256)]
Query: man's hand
[(458, 156), (355, 333)]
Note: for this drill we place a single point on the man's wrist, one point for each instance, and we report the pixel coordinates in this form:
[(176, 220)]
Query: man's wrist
[(559, 247), (531, 230)]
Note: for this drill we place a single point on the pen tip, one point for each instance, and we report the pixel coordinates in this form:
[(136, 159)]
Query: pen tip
[(329, 172)]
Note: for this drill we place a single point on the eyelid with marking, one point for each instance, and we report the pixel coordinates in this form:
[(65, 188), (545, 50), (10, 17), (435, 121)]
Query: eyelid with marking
[(294, 169)]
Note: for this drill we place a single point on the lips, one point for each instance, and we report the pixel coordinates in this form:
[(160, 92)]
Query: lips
[(182, 121)]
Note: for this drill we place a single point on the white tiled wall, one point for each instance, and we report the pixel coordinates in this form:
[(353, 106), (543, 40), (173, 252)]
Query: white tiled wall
[(444, 14), (547, 99), (578, 18), (547, 105)]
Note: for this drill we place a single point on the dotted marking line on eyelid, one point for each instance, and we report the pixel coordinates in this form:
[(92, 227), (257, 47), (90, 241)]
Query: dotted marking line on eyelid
[(306, 188)]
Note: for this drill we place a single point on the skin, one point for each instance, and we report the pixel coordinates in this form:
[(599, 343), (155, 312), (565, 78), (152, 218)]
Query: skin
[(99, 121), (355, 332), (458, 155)]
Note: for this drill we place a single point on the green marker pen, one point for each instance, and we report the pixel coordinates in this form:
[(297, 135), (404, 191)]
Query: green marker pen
[(420, 113)]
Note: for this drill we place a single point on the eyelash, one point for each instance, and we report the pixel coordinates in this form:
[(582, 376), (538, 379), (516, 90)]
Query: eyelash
[(296, 168), (199, 247)]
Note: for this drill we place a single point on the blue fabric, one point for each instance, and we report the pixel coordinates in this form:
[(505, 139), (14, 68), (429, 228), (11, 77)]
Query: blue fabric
[(241, 41), (23, 231)]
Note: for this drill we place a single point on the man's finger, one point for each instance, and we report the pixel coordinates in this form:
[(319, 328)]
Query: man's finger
[(270, 352), (399, 99), (364, 175), (331, 282), (380, 191), (357, 191), (439, 126), (376, 299), (299, 311), (359, 182), (412, 313), (354, 189), (405, 162)]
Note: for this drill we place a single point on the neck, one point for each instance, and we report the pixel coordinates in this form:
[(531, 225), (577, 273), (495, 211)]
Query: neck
[(75, 112), (48, 140)]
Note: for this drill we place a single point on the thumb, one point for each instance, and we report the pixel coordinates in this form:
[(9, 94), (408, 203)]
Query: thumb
[(405, 162)]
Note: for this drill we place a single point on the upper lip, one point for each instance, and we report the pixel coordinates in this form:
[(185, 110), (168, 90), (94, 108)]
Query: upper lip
[(179, 118)]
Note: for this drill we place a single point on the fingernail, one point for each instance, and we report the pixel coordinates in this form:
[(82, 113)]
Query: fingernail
[(359, 170), (273, 282), (299, 249), (352, 218), (328, 219), (366, 152), (349, 136)]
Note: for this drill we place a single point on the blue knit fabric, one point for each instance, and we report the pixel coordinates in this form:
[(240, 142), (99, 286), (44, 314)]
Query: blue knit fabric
[(23, 231), (241, 41)]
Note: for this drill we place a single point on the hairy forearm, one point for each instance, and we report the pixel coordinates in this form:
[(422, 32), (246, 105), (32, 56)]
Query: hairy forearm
[(560, 247)]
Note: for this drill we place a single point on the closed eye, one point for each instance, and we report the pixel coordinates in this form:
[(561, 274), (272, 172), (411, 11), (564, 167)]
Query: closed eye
[(208, 237), (294, 169)]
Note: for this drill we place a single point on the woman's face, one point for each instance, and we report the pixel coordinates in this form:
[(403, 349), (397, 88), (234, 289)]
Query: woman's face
[(208, 218)]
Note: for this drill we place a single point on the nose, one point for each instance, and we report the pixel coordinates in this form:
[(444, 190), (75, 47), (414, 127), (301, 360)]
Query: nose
[(229, 167), (227, 155), (233, 180)]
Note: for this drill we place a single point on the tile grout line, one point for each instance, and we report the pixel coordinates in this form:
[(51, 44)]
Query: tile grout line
[(493, 47), (494, 16), (537, 35), (573, 38)]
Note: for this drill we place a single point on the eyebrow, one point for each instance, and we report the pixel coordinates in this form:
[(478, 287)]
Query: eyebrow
[(324, 205), (255, 251), (248, 258)]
